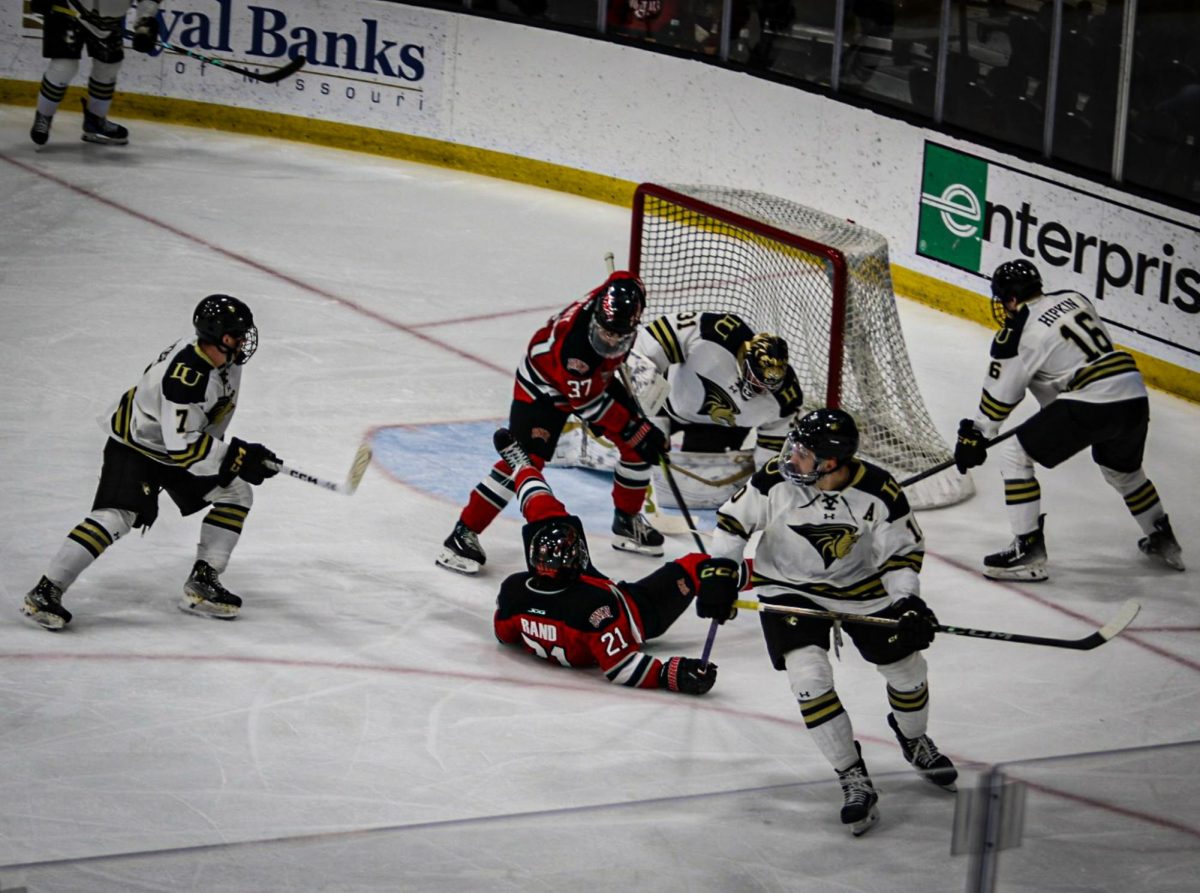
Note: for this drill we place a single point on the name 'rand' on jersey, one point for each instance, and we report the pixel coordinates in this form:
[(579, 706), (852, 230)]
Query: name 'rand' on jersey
[(853, 550), (179, 411), (1057, 347)]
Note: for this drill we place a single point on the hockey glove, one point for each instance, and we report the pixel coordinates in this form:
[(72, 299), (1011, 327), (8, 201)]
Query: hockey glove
[(719, 578), (917, 623), (145, 34), (971, 449), (647, 439), (247, 461), (688, 675)]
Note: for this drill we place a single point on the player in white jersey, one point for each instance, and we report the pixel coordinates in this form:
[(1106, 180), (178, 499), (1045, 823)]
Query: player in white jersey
[(166, 433), (68, 26), (1091, 395), (838, 534)]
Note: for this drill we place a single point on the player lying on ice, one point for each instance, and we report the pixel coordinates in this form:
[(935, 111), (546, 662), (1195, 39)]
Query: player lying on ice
[(564, 610)]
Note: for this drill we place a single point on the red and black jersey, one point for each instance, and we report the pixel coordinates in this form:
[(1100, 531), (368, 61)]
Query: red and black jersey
[(562, 366), (596, 621)]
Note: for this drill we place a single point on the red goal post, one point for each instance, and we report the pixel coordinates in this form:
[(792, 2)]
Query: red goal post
[(822, 283)]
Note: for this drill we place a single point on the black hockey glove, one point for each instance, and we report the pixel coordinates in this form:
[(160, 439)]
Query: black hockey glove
[(145, 34), (917, 623), (971, 449), (688, 675), (247, 461), (719, 579), (647, 439)]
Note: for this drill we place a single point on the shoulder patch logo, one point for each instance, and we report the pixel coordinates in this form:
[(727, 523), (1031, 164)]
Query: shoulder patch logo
[(601, 614), (833, 542), (574, 364), (718, 405)]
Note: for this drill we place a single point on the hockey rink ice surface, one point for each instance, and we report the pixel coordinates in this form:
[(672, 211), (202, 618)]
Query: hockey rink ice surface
[(358, 728)]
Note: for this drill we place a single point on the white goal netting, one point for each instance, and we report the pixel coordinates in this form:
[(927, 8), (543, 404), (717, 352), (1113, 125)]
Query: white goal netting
[(821, 282)]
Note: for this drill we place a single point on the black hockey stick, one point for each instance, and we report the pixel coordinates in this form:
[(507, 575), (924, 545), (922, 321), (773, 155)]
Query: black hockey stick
[(942, 466), (1114, 627), (270, 77)]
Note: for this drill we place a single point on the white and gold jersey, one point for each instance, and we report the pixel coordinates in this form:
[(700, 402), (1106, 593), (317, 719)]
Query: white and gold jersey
[(179, 411), (1056, 347), (853, 550)]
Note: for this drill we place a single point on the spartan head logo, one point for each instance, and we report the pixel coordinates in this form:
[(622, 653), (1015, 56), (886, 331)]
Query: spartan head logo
[(833, 542), (718, 405)]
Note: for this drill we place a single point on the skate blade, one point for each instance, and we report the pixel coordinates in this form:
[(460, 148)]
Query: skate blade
[(101, 140), (950, 786), (1173, 560), (862, 826), (44, 619), (1028, 574), (208, 609), (624, 544), (452, 561)]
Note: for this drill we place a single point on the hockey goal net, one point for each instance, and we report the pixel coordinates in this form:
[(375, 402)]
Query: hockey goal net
[(821, 282)]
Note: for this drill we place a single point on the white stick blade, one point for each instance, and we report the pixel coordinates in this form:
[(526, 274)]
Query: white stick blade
[(1128, 611), (358, 468)]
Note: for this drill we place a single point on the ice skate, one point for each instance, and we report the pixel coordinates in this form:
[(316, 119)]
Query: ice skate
[(923, 754), (1161, 544), (40, 132), (204, 595), (102, 130), (633, 533), (510, 450), (462, 552), (1024, 560), (858, 807), (43, 604)]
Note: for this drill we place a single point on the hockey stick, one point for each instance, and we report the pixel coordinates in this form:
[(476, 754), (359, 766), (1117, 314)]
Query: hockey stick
[(269, 77), (1114, 627), (942, 466), (362, 458)]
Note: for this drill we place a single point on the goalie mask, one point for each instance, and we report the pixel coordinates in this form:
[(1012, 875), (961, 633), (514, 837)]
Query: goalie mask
[(557, 553), (764, 361), (219, 315), (617, 308), (822, 434), (1017, 280)]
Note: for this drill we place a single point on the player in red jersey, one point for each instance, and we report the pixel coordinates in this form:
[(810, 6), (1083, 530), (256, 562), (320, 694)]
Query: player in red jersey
[(569, 369), (565, 611)]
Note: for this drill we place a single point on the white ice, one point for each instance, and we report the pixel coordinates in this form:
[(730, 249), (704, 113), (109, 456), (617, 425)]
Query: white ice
[(362, 688)]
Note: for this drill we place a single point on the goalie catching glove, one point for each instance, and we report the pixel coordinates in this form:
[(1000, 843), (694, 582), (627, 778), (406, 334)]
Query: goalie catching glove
[(917, 623), (971, 449), (720, 580), (247, 461), (647, 439), (688, 675)]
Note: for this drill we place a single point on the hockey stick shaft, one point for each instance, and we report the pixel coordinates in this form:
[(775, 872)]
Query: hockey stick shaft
[(1114, 627), (942, 466), (269, 77), (362, 459)]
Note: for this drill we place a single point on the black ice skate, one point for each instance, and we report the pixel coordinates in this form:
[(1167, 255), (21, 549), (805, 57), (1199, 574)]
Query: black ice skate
[(510, 450), (633, 533), (40, 131), (43, 604), (1024, 560), (462, 552), (1161, 544), (102, 130), (858, 807), (923, 754), (204, 595)]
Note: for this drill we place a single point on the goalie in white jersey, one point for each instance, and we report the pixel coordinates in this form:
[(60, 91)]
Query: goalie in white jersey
[(166, 433), (838, 534), (1091, 395)]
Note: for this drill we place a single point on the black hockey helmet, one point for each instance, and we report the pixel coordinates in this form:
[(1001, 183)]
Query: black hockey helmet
[(764, 364), (219, 315), (1014, 279), (827, 434), (557, 552), (617, 307)]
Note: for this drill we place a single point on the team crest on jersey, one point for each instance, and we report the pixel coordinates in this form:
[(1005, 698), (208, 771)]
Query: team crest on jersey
[(718, 405), (598, 616), (833, 542), (574, 364)]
